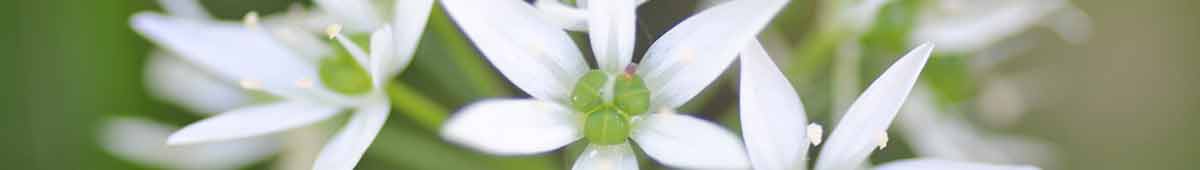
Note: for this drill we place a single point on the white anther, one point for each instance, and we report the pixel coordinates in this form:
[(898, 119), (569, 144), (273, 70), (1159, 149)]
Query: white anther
[(250, 84), (883, 140), (333, 30), (815, 133), (250, 20)]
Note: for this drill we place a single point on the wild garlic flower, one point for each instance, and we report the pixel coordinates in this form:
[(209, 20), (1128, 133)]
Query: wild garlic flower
[(773, 118), (613, 103), (936, 134), (257, 57)]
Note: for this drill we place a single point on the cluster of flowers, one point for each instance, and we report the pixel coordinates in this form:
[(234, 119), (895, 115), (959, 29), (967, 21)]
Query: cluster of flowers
[(276, 73)]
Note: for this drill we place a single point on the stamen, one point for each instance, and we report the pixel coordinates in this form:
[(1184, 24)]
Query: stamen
[(304, 83), (883, 140), (333, 30), (815, 133), (250, 20), (250, 84), (630, 69)]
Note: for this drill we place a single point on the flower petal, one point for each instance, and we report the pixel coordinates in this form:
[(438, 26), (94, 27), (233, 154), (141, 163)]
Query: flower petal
[(142, 141), (408, 23), (176, 81), (611, 26), (972, 26), (185, 8), (532, 53), (773, 118), (231, 51), (934, 164), (383, 57), (607, 157), (513, 127), (686, 142), (690, 56), (567, 17), (348, 146), (252, 121), (858, 132), (358, 15)]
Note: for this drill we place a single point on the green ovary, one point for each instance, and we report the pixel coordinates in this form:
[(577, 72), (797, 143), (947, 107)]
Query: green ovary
[(342, 74), (607, 116)]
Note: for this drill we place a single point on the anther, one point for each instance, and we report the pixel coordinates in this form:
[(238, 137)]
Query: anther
[(883, 140), (250, 20), (815, 133), (333, 30), (250, 84)]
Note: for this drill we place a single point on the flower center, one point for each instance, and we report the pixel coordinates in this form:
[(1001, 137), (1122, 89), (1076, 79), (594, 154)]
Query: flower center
[(341, 73), (608, 102)]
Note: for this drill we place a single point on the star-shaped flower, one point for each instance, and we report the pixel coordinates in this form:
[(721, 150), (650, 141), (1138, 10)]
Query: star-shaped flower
[(615, 102)]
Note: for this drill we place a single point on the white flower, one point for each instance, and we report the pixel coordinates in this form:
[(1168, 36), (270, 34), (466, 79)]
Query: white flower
[(258, 57), (143, 141), (934, 133), (773, 118), (538, 57), (967, 26)]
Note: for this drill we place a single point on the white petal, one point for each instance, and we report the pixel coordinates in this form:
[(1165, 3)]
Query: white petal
[(231, 51), (690, 56), (513, 127), (607, 157), (176, 81), (252, 121), (934, 164), (348, 146), (567, 17), (142, 141), (383, 57), (972, 26), (532, 53), (686, 142), (185, 8), (358, 15), (859, 130), (773, 118), (611, 26), (408, 23)]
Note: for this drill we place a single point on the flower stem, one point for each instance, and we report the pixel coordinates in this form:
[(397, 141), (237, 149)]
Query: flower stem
[(416, 106)]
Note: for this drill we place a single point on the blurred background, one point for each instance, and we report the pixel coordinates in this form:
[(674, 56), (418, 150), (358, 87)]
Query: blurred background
[(1124, 99)]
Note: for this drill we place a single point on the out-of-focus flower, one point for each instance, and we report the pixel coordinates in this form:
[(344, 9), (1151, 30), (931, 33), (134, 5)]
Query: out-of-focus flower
[(967, 26), (609, 105), (773, 118), (258, 57), (144, 141), (936, 134), (568, 17)]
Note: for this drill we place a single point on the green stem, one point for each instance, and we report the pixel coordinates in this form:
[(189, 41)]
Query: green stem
[(416, 106), (475, 70)]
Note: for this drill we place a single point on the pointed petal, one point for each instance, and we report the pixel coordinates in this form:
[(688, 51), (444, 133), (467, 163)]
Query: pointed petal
[(532, 53), (686, 142), (773, 118), (358, 15), (513, 127), (607, 157), (185, 8), (690, 56), (252, 121), (858, 132), (142, 141), (567, 17), (231, 51), (934, 164), (176, 81), (408, 23), (348, 146), (611, 26)]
